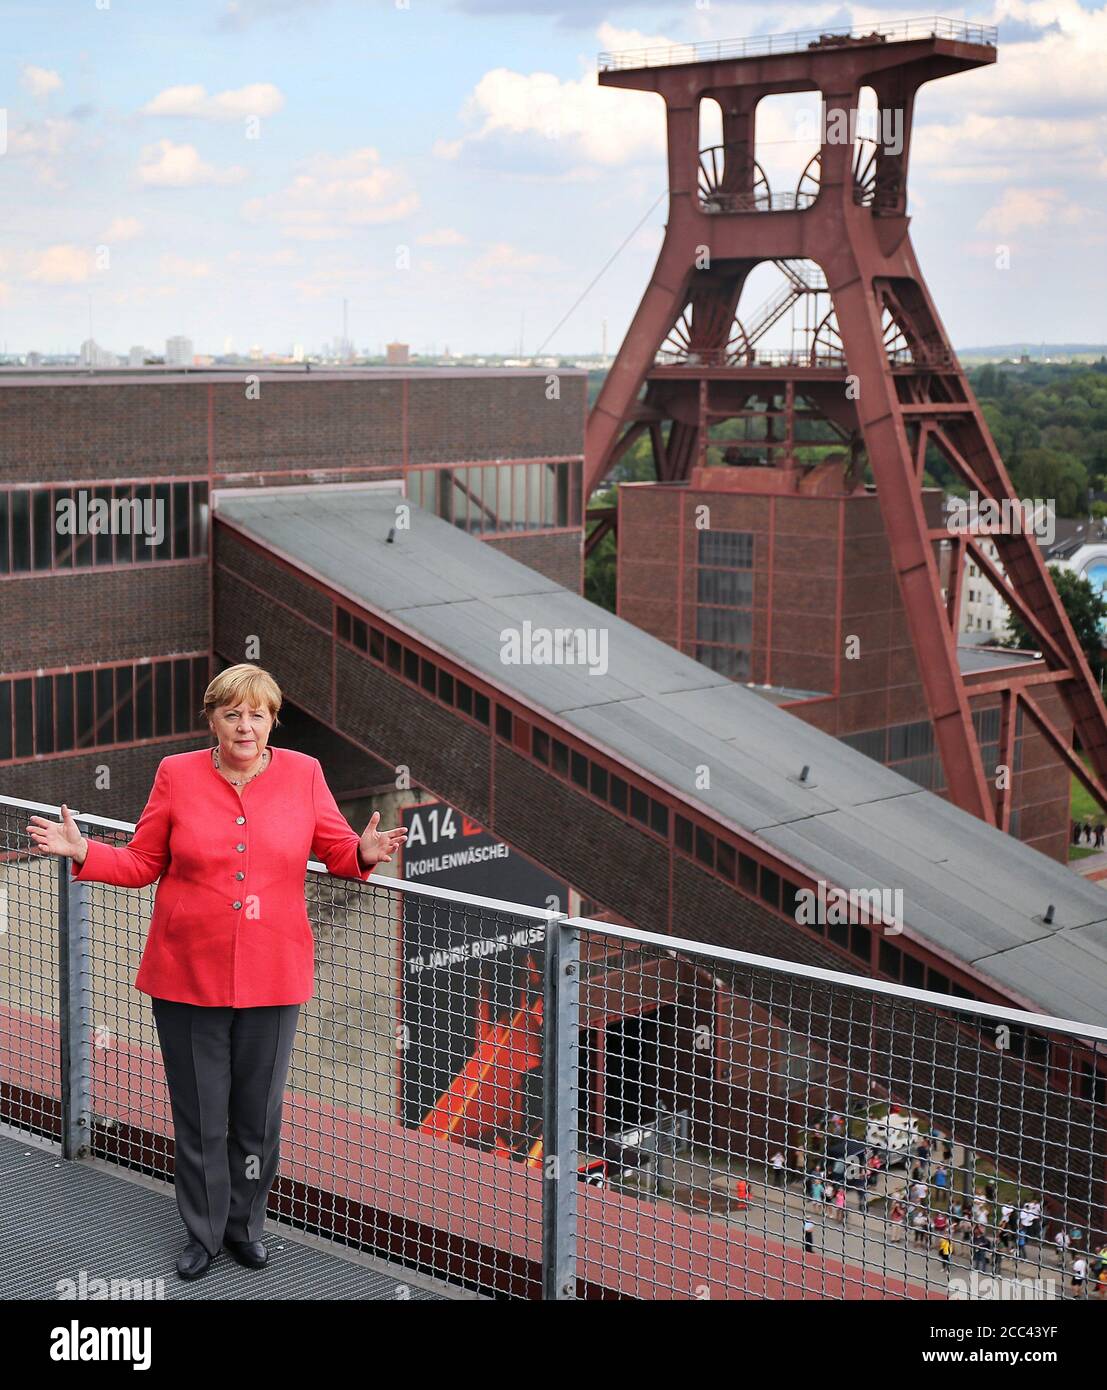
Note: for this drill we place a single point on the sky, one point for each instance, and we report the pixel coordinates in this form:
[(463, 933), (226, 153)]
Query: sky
[(232, 170)]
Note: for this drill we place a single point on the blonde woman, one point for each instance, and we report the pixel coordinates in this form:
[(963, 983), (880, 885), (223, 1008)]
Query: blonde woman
[(229, 957)]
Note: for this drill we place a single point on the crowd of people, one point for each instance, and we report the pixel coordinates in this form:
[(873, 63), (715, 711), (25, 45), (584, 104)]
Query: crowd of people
[(930, 1213), (1088, 832)]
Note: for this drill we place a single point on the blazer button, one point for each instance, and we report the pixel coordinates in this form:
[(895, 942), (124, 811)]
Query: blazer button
[(237, 904), (240, 874), (240, 820), (241, 848)]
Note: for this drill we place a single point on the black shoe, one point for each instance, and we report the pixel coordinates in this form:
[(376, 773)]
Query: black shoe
[(193, 1261), (250, 1253)]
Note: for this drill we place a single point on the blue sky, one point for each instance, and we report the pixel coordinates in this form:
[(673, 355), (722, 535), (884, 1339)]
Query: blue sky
[(232, 171)]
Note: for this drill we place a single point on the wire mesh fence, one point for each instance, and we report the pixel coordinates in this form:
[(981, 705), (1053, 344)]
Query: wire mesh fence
[(779, 1131), (528, 1105)]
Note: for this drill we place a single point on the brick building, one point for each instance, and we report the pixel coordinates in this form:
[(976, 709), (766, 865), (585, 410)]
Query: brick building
[(106, 640), (793, 592)]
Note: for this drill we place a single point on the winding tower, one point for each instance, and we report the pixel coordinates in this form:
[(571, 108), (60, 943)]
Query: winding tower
[(875, 363)]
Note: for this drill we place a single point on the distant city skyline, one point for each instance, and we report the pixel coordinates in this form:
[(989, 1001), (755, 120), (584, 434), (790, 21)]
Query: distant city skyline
[(289, 172)]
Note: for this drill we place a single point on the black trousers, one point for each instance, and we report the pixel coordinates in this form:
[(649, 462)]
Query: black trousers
[(226, 1070)]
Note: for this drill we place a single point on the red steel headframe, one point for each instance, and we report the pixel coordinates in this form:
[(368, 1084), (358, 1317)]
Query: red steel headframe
[(885, 373)]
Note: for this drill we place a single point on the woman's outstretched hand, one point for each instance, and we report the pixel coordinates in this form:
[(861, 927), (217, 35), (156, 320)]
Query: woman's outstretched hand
[(53, 837), (378, 846)]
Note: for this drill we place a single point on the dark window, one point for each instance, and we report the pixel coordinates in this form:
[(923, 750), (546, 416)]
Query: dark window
[(861, 941), (24, 720), (44, 714), (5, 554), (464, 698), (598, 777), (936, 981), (124, 538), (838, 932), (411, 666), (63, 529), (578, 768), (199, 686), (104, 541), (428, 676), (914, 973), (5, 720), (619, 794), (182, 684), (163, 525), (503, 722), (163, 699), (105, 705), (144, 700), (639, 805), (540, 745), (961, 992), (727, 549), (747, 873), (705, 847), (394, 654), (86, 714), (342, 624), (21, 531), (446, 687), (43, 512), (659, 818), (125, 705), (480, 707), (891, 959), (560, 758), (180, 521), (726, 860), (770, 887), (1093, 1084), (64, 709), (683, 834), (361, 634), (376, 644)]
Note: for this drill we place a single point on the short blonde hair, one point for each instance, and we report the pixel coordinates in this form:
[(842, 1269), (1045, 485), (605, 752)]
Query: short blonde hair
[(243, 682)]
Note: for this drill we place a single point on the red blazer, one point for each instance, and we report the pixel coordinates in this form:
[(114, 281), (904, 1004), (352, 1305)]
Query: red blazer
[(230, 925)]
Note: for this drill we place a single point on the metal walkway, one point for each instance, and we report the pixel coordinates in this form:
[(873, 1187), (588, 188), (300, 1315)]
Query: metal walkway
[(65, 1225)]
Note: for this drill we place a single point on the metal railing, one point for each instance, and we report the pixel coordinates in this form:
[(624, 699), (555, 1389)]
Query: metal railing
[(531, 1105), (666, 55)]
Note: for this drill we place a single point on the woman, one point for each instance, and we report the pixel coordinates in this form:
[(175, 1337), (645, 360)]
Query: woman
[(229, 957)]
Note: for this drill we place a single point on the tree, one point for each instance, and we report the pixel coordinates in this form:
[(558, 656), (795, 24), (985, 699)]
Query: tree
[(1087, 612)]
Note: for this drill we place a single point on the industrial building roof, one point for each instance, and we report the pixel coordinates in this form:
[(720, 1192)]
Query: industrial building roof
[(968, 889)]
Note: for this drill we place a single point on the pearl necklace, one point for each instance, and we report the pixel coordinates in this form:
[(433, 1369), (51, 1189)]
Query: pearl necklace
[(241, 781)]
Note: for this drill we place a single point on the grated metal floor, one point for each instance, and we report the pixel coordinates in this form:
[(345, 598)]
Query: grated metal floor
[(64, 1226)]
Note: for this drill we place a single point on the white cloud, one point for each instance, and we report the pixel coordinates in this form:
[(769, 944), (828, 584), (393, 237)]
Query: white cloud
[(179, 268), (442, 236), (61, 265), (122, 229), (257, 99), (333, 195), (166, 165), (1022, 208), (502, 265), (40, 82)]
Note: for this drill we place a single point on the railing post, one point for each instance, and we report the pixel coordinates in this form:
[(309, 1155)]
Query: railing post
[(560, 1088), (73, 1020)]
